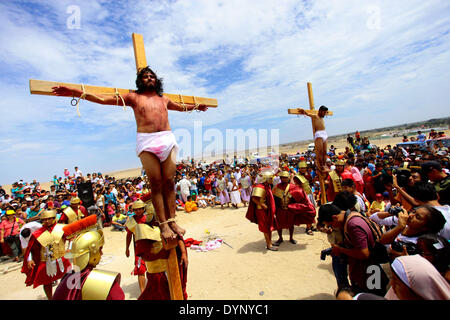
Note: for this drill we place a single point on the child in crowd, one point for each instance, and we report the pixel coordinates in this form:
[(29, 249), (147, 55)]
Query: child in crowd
[(211, 199), (190, 205), (378, 205), (201, 200)]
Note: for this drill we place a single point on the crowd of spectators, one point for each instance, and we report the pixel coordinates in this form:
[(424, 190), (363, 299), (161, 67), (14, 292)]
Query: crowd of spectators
[(403, 191)]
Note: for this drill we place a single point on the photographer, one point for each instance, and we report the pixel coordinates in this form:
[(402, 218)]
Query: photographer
[(359, 242), (9, 233), (344, 200)]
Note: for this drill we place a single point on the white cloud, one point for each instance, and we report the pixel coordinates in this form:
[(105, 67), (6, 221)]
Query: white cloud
[(386, 59)]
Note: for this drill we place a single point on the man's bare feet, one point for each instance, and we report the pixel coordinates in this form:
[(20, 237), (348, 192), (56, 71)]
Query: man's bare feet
[(177, 229), (166, 232)]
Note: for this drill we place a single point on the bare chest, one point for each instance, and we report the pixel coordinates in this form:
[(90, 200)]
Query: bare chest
[(147, 107)]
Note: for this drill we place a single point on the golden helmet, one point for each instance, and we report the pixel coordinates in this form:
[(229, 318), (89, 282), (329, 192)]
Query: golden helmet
[(266, 176), (302, 164), (75, 200), (138, 204), (48, 214), (340, 162), (86, 248), (284, 174)]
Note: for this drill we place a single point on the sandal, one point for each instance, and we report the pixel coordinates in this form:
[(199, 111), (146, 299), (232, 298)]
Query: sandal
[(277, 243), (293, 241), (309, 232), (272, 248)]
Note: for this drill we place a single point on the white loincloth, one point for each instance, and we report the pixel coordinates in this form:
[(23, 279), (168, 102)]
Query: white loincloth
[(159, 143), (322, 134)]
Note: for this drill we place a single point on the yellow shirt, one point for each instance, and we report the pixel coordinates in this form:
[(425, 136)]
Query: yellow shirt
[(120, 217), (190, 205), (376, 205)]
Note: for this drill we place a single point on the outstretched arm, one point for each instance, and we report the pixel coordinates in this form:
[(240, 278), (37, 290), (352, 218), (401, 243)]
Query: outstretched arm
[(303, 112), (188, 107), (64, 91)]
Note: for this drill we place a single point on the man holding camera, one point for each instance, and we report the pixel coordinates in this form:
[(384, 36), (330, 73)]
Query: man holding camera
[(359, 242)]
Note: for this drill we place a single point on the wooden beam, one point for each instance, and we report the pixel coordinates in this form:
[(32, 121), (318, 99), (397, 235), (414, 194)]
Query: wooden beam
[(42, 87), (210, 102), (310, 96), (139, 51), (295, 111), (173, 272)]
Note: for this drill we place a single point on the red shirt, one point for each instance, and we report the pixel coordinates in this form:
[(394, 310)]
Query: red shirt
[(208, 183)]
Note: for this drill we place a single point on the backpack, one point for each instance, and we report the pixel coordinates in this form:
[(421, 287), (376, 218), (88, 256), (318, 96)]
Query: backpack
[(378, 253)]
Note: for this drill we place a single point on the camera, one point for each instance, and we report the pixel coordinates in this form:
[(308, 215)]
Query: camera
[(395, 210), (411, 248), (325, 253), (402, 177)]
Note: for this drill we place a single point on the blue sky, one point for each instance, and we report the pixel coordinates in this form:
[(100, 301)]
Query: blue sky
[(374, 63)]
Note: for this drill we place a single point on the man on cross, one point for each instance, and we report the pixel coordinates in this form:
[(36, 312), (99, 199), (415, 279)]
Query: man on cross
[(320, 137), (156, 145)]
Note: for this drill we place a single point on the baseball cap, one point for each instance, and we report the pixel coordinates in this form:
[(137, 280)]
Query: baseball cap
[(430, 165)]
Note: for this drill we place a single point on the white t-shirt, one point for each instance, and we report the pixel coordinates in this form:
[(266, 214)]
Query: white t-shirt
[(184, 186), (193, 184), (445, 210), (78, 173), (33, 226)]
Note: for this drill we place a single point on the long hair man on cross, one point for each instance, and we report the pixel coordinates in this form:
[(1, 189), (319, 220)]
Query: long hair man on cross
[(156, 145)]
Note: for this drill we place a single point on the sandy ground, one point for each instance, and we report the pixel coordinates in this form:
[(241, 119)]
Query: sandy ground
[(246, 270)]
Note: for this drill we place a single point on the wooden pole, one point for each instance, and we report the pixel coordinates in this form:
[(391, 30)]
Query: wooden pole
[(139, 51), (173, 271), (323, 195)]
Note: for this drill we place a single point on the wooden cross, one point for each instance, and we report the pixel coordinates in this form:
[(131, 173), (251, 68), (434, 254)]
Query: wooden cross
[(42, 87), (312, 111), (45, 88)]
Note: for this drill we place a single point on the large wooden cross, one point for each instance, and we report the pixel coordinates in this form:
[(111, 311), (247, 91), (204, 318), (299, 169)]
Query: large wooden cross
[(42, 87), (312, 111), (45, 88)]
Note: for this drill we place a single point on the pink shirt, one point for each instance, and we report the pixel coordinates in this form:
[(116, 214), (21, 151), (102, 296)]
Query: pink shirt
[(6, 226)]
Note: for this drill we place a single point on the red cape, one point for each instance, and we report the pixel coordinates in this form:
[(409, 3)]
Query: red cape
[(157, 287), (63, 292), (38, 275), (300, 209), (265, 219)]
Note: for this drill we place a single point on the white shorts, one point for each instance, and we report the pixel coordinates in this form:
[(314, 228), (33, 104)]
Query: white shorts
[(159, 143), (322, 134)]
